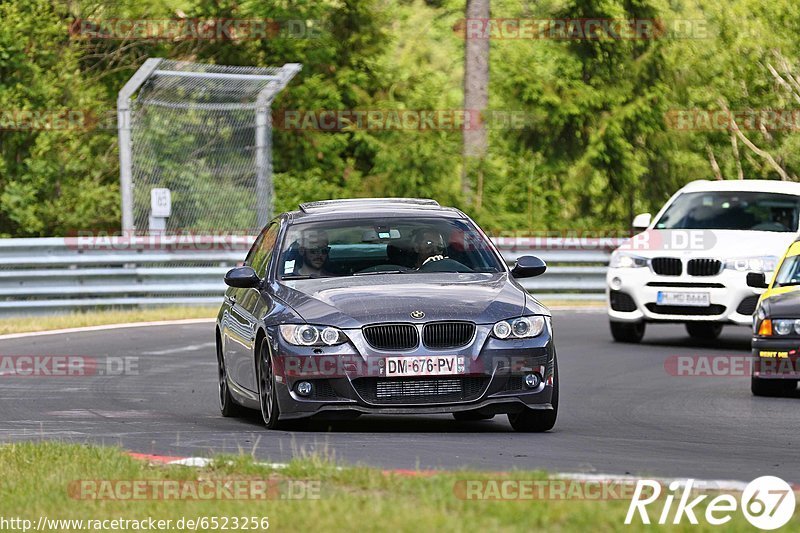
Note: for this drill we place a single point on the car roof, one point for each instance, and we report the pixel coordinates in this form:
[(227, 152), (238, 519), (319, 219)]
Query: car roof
[(353, 208), (775, 186), (364, 203)]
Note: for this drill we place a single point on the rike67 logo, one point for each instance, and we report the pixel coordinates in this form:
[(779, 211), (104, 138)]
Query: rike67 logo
[(767, 503)]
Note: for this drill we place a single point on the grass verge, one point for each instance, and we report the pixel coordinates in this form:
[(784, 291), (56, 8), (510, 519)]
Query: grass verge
[(101, 318), (39, 480)]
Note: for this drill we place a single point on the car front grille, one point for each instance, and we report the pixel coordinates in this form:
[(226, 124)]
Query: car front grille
[(713, 309), (391, 336), (686, 284), (447, 334), (703, 267), (666, 266), (420, 390)]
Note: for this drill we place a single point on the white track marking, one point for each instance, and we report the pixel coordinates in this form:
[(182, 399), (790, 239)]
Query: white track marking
[(106, 327), (700, 484), (189, 348)]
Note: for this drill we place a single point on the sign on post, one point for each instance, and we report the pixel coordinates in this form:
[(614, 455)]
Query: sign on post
[(160, 209)]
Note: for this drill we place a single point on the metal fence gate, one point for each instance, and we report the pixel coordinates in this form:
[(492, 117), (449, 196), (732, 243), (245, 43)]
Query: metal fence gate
[(205, 133)]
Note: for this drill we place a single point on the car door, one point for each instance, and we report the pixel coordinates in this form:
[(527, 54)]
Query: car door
[(243, 311), (235, 331)]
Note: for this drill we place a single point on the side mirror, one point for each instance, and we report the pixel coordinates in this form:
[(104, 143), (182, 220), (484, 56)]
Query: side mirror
[(757, 280), (642, 221), (528, 266), (243, 277)]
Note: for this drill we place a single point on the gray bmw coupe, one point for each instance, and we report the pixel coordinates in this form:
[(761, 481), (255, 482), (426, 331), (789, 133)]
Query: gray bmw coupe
[(390, 306)]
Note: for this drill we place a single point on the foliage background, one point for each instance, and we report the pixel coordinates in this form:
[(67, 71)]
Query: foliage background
[(597, 150)]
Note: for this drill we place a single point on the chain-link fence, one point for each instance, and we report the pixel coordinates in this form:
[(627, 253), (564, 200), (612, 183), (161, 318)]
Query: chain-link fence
[(204, 133)]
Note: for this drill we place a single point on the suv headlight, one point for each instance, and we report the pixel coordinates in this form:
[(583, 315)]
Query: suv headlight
[(519, 328), (308, 335), (620, 260), (765, 263)]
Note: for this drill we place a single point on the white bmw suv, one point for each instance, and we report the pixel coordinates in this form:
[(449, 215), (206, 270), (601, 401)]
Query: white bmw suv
[(690, 262)]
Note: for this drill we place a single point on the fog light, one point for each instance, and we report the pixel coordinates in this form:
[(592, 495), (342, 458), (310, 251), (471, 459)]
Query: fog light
[(533, 380), (303, 388), (616, 283)]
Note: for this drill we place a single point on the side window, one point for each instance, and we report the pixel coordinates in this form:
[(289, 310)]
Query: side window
[(248, 261), (262, 251)]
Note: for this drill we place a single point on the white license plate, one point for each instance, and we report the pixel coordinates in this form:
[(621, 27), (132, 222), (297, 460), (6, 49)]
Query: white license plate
[(433, 365), (694, 299)]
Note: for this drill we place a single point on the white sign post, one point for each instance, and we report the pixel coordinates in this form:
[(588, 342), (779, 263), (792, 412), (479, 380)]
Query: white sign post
[(160, 209)]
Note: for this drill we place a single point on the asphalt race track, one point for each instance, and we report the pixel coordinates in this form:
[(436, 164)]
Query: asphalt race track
[(621, 410)]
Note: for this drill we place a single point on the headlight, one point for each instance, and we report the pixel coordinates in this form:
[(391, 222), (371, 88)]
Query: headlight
[(783, 327), (753, 264), (779, 327), (619, 260), (308, 335), (519, 328)]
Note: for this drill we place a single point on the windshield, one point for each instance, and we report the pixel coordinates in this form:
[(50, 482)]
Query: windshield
[(382, 246), (789, 273), (755, 211)]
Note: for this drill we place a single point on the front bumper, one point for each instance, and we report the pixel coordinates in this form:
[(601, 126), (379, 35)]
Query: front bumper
[(776, 358), (347, 379), (732, 301)]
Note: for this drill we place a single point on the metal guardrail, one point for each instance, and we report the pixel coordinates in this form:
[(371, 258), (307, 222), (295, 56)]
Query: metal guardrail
[(61, 274)]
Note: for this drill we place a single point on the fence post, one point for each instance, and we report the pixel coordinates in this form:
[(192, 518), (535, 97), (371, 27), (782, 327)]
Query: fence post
[(265, 185), (124, 133)]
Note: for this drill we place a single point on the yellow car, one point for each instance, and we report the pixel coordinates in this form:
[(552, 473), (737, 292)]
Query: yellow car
[(776, 328)]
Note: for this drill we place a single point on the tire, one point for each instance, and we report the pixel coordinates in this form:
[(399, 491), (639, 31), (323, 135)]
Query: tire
[(771, 387), (471, 416), (538, 420), (267, 396), (707, 331), (227, 405), (631, 332)]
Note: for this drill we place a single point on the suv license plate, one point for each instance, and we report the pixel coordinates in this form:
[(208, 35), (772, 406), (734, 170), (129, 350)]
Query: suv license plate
[(693, 299)]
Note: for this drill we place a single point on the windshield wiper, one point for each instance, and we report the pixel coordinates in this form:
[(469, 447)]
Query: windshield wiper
[(375, 272), (297, 276)]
